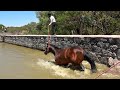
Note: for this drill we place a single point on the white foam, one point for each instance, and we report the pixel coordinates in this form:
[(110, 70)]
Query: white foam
[(67, 72), (58, 70)]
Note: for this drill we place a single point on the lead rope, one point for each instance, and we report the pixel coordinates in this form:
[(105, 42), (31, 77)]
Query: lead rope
[(107, 70), (48, 36)]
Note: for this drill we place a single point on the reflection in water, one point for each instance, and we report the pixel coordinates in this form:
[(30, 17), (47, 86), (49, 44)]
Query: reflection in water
[(25, 63)]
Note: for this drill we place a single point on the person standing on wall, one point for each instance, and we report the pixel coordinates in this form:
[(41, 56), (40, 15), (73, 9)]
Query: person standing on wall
[(52, 24)]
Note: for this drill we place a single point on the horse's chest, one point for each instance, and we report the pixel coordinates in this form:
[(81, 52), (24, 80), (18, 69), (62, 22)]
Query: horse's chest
[(61, 59)]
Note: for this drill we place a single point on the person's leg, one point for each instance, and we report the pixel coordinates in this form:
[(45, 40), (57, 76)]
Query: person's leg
[(53, 28)]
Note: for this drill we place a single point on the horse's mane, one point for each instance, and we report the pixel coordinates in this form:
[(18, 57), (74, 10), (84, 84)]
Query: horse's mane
[(54, 46)]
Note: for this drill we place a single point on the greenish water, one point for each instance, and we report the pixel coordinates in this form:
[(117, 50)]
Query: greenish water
[(18, 62)]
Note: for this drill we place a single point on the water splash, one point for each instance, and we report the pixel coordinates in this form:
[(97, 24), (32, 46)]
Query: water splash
[(61, 71), (67, 73)]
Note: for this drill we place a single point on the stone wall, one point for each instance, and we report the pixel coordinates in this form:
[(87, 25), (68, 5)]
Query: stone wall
[(103, 46)]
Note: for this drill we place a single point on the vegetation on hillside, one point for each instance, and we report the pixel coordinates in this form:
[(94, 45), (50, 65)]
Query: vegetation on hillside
[(83, 22), (74, 22)]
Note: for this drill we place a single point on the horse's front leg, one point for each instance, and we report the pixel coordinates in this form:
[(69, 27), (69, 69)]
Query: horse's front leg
[(69, 65), (82, 68)]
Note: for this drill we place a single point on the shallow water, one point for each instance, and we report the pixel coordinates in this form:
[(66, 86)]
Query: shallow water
[(18, 62)]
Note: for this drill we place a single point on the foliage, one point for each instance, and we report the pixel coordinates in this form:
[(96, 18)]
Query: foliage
[(83, 22), (1, 27), (30, 28), (73, 22)]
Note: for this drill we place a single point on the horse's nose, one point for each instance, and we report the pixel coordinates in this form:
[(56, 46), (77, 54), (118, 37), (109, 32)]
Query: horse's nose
[(45, 53)]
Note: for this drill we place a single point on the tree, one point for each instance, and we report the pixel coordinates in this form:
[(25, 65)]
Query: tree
[(83, 22), (2, 28)]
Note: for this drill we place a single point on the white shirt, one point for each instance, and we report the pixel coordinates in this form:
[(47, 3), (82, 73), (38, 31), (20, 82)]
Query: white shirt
[(52, 19)]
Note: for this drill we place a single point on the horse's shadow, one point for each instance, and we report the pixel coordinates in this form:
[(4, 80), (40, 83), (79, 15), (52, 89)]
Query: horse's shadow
[(70, 65)]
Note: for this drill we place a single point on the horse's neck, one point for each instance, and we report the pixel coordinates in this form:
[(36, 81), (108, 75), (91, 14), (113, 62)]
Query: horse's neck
[(53, 50)]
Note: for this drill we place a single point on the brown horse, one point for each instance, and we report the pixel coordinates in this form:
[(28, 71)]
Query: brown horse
[(74, 55)]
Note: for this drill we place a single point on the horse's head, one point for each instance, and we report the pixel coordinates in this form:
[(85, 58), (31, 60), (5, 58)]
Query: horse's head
[(47, 50), (50, 48)]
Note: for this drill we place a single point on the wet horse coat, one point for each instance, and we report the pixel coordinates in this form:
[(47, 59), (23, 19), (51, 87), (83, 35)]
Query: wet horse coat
[(74, 55), (69, 55)]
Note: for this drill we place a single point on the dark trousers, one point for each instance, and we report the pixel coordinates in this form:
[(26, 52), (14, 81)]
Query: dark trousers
[(53, 28)]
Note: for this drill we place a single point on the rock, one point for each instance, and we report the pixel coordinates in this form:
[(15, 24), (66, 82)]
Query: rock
[(103, 40), (96, 49), (104, 52), (106, 45), (118, 42), (112, 41), (118, 54), (114, 55), (112, 62), (100, 44), (113, 48), (104, 60)]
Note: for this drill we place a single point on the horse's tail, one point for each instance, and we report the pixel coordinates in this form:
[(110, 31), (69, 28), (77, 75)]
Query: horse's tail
[(88, 56)]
